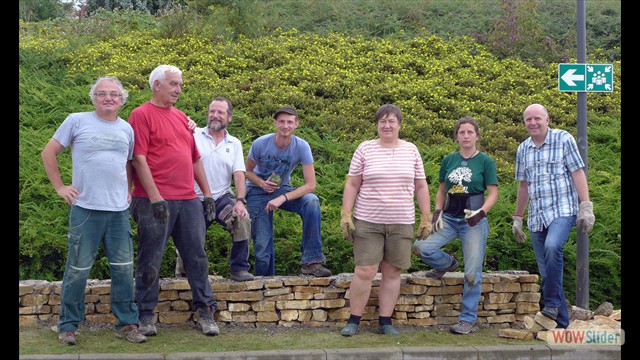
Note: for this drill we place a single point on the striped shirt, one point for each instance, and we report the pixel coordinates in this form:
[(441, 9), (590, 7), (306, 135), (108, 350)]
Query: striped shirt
[(547, 170), (388, 182)]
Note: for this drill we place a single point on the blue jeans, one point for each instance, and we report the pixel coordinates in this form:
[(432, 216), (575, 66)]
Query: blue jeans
[(87, 229), (474, 245), (239, 258), (308, 207), (548, 245), (186, 226)]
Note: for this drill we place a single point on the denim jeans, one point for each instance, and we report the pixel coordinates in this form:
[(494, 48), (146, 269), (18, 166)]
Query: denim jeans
[(187, 228), (308, 207), (87, 229), (239, 258), (548, 245), (474, 245)]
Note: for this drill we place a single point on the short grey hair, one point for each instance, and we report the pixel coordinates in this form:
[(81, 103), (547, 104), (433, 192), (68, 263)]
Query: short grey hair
[(159, 73), (114, 80)]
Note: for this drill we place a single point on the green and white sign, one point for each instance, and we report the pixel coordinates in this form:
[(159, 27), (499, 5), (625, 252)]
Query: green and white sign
[(585, 77)]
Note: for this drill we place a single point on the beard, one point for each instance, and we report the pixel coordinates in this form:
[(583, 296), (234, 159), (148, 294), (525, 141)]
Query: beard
[(217, 127)]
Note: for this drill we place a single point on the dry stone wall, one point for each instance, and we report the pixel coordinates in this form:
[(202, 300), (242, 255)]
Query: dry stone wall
[(507, 298)]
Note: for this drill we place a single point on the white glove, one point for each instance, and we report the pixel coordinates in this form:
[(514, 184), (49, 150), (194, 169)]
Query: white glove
[(585, 217), (516, 228), (436, 221), (473, 217)]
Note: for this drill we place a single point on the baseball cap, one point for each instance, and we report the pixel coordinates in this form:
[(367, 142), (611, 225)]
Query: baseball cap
[(286, 109)]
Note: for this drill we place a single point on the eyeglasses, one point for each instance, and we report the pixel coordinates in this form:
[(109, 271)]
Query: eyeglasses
[(103, 94)]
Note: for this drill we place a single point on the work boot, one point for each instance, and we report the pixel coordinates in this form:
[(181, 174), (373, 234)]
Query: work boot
[(130, 333), (206, 322), (147, 327), (349, 330), (550, 312), (387, 330), (463, 327), (437, 274), (315, 269), (242, 275), (67, 337)]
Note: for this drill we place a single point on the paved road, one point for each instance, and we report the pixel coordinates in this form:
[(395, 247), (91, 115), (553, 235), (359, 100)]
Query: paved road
[(538, 352)]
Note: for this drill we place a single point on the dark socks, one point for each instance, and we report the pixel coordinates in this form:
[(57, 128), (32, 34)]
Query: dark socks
[(384, 320), (353, 319)]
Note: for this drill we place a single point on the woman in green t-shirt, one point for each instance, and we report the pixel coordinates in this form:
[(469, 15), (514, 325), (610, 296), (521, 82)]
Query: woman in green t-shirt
[(461, 211)]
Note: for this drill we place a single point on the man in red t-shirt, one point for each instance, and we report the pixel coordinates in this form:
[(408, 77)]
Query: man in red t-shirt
[(164, 202)]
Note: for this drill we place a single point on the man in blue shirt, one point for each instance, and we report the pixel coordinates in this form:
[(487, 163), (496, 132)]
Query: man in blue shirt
[(549, 169), (271, 160)]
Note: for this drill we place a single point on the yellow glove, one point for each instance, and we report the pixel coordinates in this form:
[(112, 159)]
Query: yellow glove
[(346, 224), (424, 229), (516, 228)]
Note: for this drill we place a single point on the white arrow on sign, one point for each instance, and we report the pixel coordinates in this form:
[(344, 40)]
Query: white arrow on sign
[(568, 77)]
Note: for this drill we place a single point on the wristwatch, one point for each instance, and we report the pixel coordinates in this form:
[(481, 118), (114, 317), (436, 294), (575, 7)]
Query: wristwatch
[(242, 200)]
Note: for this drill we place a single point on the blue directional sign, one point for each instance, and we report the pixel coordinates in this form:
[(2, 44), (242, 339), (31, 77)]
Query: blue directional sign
[(585, 77)]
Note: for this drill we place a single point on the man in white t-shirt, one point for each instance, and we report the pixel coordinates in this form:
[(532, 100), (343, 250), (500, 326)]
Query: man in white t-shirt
[(223, 160)]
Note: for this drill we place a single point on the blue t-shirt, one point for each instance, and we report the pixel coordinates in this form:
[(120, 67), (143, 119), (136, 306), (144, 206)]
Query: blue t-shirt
[(270, 158)]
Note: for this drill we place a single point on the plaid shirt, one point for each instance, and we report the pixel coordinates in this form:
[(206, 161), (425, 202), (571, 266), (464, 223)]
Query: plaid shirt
[(547, 170)]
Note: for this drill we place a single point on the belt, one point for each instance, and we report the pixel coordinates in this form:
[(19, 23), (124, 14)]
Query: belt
[(455, 205)]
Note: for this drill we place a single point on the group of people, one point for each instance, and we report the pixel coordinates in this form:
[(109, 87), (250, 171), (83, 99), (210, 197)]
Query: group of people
[(386, 174), (175, 180)]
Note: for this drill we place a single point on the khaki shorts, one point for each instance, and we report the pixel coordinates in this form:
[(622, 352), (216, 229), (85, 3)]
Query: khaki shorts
[(373, 243)]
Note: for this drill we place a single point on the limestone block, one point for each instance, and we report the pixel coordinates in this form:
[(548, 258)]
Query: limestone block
[(267, 316), (544, 321)]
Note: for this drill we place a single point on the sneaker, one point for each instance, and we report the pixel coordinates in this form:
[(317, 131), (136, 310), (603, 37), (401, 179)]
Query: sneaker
[(350, 329), (242, 275), (131, 333), (147, 327), (463, 327), (315, 269), (550, 312), (388, 330), (67, 337), (437, 274), (206, 322)]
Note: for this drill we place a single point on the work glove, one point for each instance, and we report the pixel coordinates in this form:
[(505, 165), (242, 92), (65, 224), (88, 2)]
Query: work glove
[(436, 221), (473, 217), (516, 228), (585, 217), (210, 207), (346, 224), (160, 211), (424, 229)]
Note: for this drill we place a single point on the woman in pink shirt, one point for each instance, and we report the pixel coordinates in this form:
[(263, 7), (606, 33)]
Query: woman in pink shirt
[(378, 216)]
